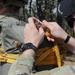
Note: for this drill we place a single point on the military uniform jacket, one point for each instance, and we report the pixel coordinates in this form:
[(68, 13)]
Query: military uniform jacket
[(12, 29), (23, 66)]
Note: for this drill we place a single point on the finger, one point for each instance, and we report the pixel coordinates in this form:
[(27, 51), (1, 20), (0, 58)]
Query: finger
[(26, 27), (26, 24), (41, 31), (31, 21), (50, 39), (46, 23)]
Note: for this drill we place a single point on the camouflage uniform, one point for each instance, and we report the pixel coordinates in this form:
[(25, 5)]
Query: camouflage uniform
[(6, 33), (23, 66)]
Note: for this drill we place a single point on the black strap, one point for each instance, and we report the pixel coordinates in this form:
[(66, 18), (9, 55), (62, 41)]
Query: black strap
[(67, 39)]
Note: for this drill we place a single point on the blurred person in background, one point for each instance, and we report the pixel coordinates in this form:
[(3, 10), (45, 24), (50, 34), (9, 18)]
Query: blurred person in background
[(10, 25)]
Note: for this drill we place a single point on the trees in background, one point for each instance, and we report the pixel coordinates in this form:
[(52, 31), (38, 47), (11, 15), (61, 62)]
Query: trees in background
[(45, 9)]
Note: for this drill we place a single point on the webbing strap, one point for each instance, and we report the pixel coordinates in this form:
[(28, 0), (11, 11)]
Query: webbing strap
[(5, 57), (10, 58)]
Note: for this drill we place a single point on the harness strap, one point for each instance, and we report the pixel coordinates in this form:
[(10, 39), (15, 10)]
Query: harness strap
[(6, 57), (10, 58)]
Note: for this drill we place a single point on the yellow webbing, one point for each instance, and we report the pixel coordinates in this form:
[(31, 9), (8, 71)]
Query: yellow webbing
[(10, 58), (57, 53), (5, 57)]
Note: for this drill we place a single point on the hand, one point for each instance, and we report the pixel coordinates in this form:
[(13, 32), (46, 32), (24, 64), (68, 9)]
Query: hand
[(56, 31), (32, 34)]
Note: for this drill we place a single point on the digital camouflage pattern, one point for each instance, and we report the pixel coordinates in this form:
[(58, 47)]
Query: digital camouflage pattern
[(11, 31), (23, 66), (10, 26)]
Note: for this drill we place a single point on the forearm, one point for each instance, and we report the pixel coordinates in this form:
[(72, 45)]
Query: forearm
[(25, 62), (29, 52), (68, 41), (71, 45)]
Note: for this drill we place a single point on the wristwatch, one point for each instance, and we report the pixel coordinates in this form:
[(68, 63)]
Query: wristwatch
[(28, 46)]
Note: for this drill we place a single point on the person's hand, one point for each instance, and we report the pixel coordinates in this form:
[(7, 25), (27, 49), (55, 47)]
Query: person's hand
[(56, 31), (32, 34)]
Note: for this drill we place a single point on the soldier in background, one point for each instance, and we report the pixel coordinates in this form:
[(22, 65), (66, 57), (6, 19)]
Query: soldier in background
[(33, 37), (10, 25)]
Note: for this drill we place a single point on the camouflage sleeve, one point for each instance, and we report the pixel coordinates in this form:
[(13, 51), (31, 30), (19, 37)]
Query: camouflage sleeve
[(4, 23), (64, 70), (23, 66)]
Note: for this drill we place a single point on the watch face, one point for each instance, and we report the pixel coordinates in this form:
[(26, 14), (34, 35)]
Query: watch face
[(29, 46)]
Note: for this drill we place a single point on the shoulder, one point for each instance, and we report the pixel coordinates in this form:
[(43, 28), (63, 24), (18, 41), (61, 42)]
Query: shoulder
[(8, 21), (3, 20)]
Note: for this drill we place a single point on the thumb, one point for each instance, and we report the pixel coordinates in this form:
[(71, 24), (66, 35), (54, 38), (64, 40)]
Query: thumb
[(41, 31), (46, 24)]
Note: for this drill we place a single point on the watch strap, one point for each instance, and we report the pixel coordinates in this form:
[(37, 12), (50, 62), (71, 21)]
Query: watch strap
[(29, 46), (67, 39)]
